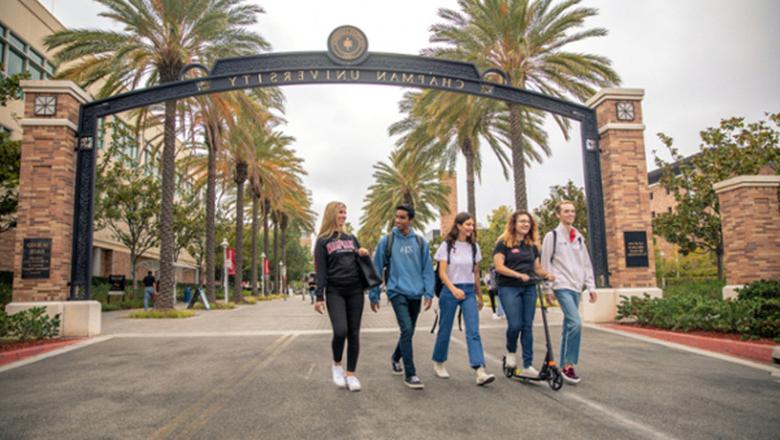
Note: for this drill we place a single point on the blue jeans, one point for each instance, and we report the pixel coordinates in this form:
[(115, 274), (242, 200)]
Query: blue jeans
[(448, 305), (520, 307), (406, 312), (572, 325), (148, 292)]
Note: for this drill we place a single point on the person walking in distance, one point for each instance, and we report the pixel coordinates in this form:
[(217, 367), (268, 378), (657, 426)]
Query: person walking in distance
[(458, 257), (565, 255), (148, 289), (516, 257), (404, 259), (338, 281), (490, 283)]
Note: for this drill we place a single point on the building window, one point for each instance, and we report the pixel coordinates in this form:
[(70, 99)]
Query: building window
[(16, 41), (17, 57), (15, 63)]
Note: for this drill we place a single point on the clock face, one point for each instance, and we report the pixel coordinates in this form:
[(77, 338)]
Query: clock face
[(625, 111), (45, 105)]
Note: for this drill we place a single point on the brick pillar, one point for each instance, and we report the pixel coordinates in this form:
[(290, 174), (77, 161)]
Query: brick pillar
[(46, 182), (449, 179), (751, 234), (627, 217)]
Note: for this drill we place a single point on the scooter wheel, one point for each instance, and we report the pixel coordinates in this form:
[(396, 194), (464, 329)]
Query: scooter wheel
[(556, 380)]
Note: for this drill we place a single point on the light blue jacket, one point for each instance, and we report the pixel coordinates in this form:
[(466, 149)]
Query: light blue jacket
[(411, 271)]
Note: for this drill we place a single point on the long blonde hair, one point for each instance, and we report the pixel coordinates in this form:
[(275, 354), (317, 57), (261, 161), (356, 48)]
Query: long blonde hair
[(329, 220), (510, 235)]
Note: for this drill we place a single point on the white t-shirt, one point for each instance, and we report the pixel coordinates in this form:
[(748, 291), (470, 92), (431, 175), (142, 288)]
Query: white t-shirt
[(461, 267)]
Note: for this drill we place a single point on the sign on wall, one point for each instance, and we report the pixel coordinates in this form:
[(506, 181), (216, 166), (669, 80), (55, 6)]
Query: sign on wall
[(36, 258), (636, 248)]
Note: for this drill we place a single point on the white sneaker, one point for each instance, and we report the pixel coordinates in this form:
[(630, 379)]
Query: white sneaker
[(496, 317), (529, 372), (441, 372), (353, 384), (338, 377), (483, 378), (510, 360)]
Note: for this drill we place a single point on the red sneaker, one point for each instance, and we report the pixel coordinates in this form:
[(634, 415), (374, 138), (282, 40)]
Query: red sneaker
[(570, 376)]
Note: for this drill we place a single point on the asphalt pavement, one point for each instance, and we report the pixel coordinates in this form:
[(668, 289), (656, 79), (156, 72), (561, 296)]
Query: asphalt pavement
[(263, 372)]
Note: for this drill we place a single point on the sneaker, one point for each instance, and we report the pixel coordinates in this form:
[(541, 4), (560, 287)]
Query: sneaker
[(529, 372), (353, 384), (496, 317), (414, 382), (338, 377), (570, 376), (398, 368), (441, 372), (510, 360), (483, 378)]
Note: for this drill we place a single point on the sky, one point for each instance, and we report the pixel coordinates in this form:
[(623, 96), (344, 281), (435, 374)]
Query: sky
[(698, 61)]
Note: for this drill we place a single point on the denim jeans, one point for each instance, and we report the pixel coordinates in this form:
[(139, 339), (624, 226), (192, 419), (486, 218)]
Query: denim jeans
[(448, 305), (406, 312), (520, 306), (148, 292), (572, 325)]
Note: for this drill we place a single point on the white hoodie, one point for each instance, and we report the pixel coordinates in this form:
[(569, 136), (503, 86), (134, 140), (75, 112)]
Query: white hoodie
[(571, 263)]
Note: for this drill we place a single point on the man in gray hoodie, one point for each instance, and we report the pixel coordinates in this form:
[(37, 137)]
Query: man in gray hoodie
[(404, 259)]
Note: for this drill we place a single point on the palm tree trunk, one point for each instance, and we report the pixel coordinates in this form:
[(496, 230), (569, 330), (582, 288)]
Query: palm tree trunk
[(468, 154), (240, 178), (518, 157), (266, 208), (211, 200), (275, 259), (255, 215), (284, 251), (167, 237)]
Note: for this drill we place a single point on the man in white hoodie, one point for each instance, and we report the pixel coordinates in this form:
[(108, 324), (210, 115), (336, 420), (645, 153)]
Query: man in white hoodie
[(565, 255)]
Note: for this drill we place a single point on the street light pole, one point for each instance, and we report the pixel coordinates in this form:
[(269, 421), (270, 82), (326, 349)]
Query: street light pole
[(225, 268)]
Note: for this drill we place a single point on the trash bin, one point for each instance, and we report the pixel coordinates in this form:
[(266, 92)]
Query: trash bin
[(187, 295)]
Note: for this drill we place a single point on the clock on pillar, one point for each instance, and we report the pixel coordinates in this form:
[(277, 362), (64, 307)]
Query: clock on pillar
[(45, 105), (625, 110)]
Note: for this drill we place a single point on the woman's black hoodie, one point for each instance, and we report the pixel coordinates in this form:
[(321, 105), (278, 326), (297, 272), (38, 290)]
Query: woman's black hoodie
[(335, 262)]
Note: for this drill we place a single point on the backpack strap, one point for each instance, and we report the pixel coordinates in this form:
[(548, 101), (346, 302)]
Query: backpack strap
[(388, 254), (473, 256), (555, 239)]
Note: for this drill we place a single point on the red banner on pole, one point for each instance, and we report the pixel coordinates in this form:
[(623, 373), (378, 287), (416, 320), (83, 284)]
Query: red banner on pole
[(231, 261), (266, 267)]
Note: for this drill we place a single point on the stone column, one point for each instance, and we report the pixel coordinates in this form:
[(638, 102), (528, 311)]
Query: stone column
[(626, 200), (751, 233), (42, 248)]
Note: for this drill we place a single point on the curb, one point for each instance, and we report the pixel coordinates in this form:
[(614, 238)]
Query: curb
[(10, 356), (741, 349)]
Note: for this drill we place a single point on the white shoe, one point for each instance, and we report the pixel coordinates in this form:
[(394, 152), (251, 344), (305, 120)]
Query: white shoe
[(483, 378), (529, 372), (441, 372), (353, 384), (510, 360), (496, 317), (338, 377)]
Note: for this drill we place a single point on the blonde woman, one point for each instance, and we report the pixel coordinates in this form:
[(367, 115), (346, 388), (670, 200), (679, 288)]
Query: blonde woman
[(338, 278), (517, 260)]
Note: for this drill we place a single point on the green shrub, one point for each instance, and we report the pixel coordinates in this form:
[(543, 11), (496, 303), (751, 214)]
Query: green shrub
[(752, 318), (712, 289), (30, 324), (766, 289), (162, 314)]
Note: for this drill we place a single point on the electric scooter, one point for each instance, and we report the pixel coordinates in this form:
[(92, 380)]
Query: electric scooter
[(549, 371)]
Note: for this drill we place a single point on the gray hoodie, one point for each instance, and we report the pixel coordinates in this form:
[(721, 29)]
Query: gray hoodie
[(571, 263)]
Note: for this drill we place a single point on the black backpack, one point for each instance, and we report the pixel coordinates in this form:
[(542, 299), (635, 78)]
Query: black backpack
[(389, 253)]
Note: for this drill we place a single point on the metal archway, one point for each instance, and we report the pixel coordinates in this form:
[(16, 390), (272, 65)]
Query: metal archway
[(285, 69)]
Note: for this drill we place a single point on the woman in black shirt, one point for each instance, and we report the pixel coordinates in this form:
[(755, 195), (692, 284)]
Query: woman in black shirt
[(516, 258), (338, 278)]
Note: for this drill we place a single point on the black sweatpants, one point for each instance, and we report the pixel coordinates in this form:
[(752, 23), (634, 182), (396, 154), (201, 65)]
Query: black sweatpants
[(492, 294), (345, 308)]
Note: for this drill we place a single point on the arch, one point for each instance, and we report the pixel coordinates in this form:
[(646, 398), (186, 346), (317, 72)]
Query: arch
[(294, 68)]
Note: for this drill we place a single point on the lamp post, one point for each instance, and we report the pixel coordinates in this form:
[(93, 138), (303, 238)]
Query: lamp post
[(262, 271), (225, 268), (281, 280)]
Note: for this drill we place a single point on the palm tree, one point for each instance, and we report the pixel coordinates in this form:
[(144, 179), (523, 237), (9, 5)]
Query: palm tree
[(160, 37), (443, 124), (526, 39), (411, 179)]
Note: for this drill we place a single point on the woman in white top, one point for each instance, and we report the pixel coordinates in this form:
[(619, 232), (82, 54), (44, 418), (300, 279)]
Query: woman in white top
[(458, 256)]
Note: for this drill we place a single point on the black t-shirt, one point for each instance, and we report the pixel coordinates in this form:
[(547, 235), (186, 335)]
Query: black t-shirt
[(149, 281), (519, 258)]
